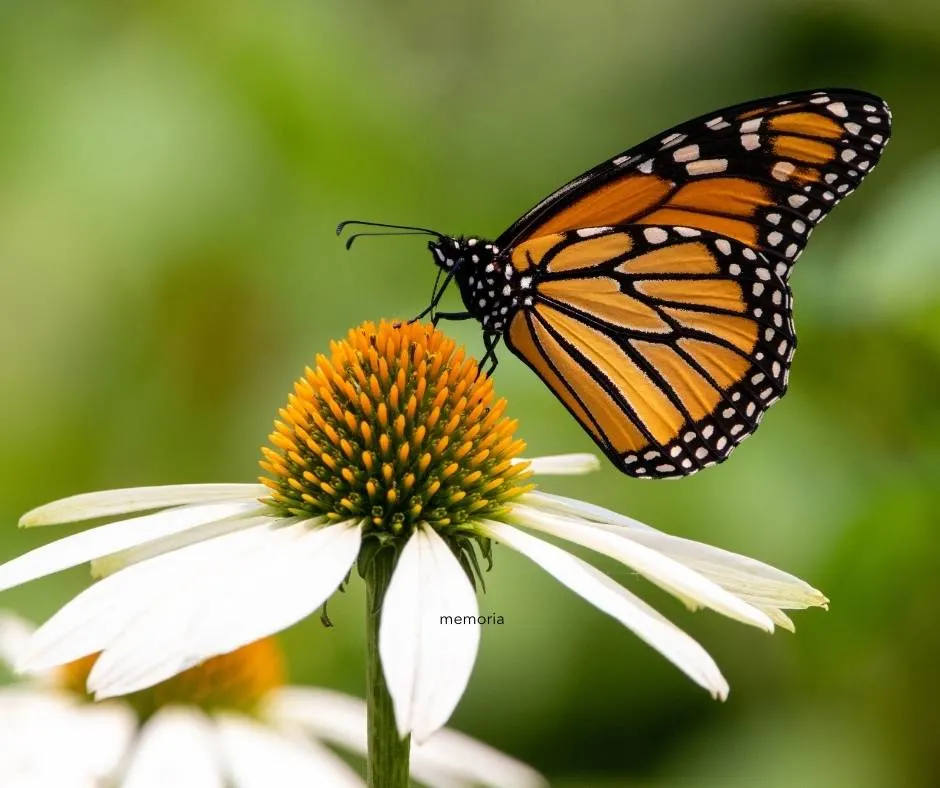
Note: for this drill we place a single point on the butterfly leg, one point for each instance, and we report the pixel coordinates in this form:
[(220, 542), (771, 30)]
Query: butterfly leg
[(435, 296), (490, 341), (450, 316)]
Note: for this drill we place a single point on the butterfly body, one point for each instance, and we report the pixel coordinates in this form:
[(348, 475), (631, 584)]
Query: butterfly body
[(651, 294), (491, 288)]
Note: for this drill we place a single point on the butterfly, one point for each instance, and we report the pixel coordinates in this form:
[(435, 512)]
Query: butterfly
[(651, 294)]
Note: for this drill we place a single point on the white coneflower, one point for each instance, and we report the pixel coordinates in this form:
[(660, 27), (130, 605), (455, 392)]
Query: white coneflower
[(392, 457), (229, 721)]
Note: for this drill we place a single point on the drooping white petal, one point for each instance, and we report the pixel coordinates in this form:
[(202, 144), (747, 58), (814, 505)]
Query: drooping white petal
[(665, 572), (755, 582), (176, 748), (616, 601), (114, 537), (89, 622), (271, 580), (109, 564), (573, 507), (258, 757), (99, 614), (563, 464), (426, 660), (752, 580), (137, 499), (15, 633)]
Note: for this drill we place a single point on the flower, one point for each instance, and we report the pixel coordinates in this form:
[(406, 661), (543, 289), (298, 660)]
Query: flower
[(227, 721), (395, 444)]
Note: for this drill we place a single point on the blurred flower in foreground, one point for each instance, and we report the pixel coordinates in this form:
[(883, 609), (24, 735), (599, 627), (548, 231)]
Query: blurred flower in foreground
[(395, 447), (228, 721)]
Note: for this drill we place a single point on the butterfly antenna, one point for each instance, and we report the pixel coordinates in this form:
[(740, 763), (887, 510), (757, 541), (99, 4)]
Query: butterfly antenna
[(407, 228)]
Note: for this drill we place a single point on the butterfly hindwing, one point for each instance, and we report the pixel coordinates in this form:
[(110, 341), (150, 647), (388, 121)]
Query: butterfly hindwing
[(667, 343), (763, 173)]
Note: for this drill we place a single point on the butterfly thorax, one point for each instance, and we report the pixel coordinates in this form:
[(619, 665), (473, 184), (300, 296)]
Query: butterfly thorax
[(491, 287)]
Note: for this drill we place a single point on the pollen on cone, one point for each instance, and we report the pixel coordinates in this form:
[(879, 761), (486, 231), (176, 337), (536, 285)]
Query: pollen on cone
[(397, 427)]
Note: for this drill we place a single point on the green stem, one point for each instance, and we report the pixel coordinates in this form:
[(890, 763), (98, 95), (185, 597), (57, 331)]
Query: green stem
[(388, 754)]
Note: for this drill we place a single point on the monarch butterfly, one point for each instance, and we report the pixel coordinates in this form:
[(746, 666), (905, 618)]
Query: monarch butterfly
[(650, 294)]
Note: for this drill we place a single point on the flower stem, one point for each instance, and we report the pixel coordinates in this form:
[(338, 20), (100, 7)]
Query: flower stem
[(388, 753)]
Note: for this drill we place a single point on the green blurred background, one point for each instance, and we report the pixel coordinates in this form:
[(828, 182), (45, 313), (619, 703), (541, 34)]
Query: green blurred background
[(170, 177)]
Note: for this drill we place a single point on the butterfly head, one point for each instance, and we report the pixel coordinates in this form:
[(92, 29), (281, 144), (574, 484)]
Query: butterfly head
[(461, 255), (450, 254)]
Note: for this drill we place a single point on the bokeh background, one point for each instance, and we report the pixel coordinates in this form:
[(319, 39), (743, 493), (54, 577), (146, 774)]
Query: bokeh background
[(170, 177)]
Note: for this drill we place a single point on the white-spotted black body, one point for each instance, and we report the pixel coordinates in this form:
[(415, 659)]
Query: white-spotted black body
[(491, 288)]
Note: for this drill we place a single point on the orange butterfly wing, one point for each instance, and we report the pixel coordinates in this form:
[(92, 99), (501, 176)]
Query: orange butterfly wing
[(661, 315), (764, 173), (666, 343)]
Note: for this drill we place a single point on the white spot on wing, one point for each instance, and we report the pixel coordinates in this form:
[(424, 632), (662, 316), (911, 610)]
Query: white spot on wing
[(782, 170), (655, 235), (706, 166), (672, 139), (750, 141), (750, 126)]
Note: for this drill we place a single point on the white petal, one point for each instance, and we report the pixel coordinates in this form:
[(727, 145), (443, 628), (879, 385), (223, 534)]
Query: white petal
[(452, 754), (427, 663), (113, 537), (446, 757), (757, 582), (92, 620), (103, 735), (272, 580), (87, 623), (137, 499), (563, 464), (616, 601), (572, 506), (109, 564), (667, 573), (15, 632), (780, 618), (752, 580), (326, 714), (259, 757), (48, 739), (176, 748)]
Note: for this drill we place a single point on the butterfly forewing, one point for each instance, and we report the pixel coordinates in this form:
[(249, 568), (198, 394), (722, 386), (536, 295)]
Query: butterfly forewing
[(763, 173), (667, 343)]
